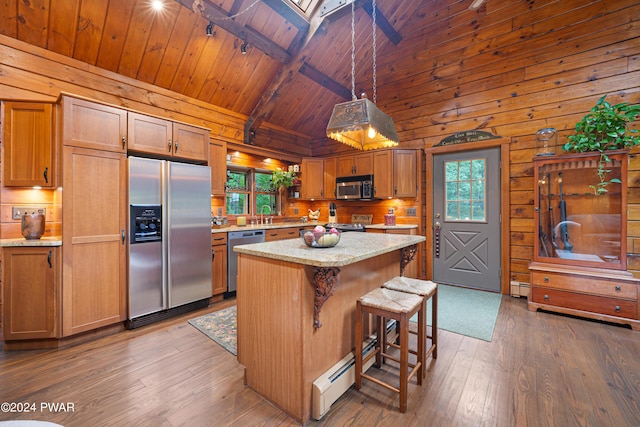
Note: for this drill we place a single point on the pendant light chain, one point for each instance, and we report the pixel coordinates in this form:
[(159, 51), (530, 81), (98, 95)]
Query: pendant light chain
[(353, 50), (375, 71)]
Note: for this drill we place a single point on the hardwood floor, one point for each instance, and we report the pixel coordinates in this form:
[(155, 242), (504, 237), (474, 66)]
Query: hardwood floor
[(540, 369)]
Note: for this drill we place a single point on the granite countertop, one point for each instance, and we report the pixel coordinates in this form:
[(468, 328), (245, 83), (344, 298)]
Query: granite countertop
[(230, 228), (43, 241), (353, 247), (391, 227)]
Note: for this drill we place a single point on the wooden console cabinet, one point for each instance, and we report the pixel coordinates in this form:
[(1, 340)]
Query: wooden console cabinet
[(579, 263)]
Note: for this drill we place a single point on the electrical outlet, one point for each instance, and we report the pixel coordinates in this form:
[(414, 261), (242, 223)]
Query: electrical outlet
[(18, 212), (219, 211), (411, 212), (295, 211)]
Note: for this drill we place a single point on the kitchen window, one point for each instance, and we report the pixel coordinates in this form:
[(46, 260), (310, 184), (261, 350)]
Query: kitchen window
[(249, 192)]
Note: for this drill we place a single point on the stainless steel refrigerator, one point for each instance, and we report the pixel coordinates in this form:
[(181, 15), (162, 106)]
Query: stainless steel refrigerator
[(169, 239)]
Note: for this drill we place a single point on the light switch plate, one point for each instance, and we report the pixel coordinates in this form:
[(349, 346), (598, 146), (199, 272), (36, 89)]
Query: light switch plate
[(17, 212)]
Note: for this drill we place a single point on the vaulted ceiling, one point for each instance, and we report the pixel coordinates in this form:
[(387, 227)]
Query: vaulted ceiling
[(297, 64)]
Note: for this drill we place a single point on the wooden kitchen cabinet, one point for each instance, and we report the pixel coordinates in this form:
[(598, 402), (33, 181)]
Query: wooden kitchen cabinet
[(218, 263), (31, 293), (282, 233), (395, 173), (312, 175), (579, 261), (154, 135), (355, 164), (94, 226), (29, 144), (88, 124), (383, 173), (405, 173), (218, 165), (330, 166)]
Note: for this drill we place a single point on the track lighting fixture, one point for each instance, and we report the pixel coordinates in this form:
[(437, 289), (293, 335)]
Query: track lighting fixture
[(210, 29), (243, 48)]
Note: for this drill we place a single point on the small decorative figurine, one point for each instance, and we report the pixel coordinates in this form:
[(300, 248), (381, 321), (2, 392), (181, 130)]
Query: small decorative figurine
[(314, 215)]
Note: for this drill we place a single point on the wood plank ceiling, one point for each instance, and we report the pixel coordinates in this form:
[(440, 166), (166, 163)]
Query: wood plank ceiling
[(297, 64)]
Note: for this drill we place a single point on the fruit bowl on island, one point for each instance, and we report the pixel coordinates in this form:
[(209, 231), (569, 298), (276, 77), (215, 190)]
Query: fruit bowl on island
[(321, 237)]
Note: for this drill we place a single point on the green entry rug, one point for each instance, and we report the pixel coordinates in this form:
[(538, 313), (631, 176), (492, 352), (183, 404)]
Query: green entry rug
[(466, 311), (220, 326)]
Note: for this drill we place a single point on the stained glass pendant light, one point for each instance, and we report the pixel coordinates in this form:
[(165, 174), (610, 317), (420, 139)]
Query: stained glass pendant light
[(359, 123)]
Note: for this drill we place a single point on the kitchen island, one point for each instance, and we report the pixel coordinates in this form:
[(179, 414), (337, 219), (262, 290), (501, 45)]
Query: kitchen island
[(296, 308)]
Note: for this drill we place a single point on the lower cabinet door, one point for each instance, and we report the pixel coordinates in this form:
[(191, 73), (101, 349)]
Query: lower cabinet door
[(219, 269), (30, 301)]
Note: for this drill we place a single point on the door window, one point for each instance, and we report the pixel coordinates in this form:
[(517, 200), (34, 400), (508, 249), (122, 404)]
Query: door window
[(465, 195)]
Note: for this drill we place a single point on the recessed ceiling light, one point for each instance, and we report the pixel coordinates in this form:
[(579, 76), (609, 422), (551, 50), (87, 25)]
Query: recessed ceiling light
[(157, 5)]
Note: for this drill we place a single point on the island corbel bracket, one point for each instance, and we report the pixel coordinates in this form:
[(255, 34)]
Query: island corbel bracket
[(408, 254), (324, 279)]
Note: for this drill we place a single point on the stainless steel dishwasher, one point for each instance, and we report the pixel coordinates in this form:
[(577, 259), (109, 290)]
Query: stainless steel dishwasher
[(235, 238)]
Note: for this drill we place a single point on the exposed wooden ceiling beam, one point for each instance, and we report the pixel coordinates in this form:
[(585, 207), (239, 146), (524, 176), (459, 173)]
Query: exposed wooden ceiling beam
[(383, 23), (282, 79), (219, 17), (323, 80), (298, 64), (287, 12)]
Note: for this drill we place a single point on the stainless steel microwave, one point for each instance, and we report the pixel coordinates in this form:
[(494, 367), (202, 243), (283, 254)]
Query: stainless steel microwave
[(354, 187)]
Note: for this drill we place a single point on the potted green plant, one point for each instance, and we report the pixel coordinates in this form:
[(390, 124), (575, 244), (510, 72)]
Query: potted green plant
[(603, 129), (280, 178)]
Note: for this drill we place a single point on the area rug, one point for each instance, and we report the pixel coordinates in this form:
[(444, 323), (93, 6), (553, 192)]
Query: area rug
[(220, 326), (466, 311)]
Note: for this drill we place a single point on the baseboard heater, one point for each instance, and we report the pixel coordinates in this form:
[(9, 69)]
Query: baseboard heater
[(337, 380)]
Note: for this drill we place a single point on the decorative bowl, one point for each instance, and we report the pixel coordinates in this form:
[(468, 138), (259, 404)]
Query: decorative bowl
[(320, 237)]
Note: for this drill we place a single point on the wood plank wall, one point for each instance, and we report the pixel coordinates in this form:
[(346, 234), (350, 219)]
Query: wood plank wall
[(515, 67)]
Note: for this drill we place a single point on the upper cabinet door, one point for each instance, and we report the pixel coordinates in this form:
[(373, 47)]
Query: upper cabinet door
[(405, 173), (358, 164), (312, 172), (190, 142), (383, 176), (218, 165), (150, 135), (87, 124), (29, 149)]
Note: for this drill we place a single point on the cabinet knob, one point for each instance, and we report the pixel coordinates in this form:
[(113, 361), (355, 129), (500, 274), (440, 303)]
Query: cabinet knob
[(546, 297), (49, 259), (45, 174), (175, 145), (169, 145), (124, 141), (546, 279), (618, 288), (617, 309)]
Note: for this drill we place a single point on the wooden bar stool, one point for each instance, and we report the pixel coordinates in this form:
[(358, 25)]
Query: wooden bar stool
[(427, 290), (400, 306)]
